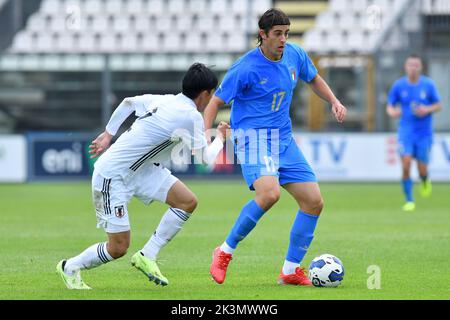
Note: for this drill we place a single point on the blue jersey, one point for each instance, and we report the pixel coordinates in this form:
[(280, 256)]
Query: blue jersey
[(260, 90), (410, 96)]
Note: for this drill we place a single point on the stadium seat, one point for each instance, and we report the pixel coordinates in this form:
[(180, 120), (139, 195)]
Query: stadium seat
[(218, 6), (176, 7), (108, 43), (183, 23), (156, 7), (205, 24), (172, 42), (150, 43), (37, 23), (87, 42), (121, 24), (142, 23), (313, 40), (129, 43), (23, 42), (99, 24), (358, 5), (260, 6), (383, 4), (336, 41), (349, 22), (44, 43), (215, 43), (357, 40), (197, 7), (236, 43), (114, 7), (326, 20), (163, 24), (227, 23), (58, 25), (65, 43), (340, 6), (194, 42), (92, 7), (239, 7), (51, 7), (134, 7)]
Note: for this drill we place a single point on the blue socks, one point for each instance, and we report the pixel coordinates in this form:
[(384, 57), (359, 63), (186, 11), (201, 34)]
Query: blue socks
[(302, 233), (250, 215), (408, 190)]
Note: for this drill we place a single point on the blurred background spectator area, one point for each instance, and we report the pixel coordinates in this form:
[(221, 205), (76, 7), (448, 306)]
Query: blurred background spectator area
[(66, 64)]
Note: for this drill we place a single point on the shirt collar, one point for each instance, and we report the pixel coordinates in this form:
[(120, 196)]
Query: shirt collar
[(187, 100), (264, 56)]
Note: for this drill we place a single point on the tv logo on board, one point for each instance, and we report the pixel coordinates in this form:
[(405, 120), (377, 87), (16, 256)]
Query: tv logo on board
[(335, 150), (63, 161)]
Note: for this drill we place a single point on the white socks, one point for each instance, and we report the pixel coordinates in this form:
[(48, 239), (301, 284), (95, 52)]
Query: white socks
[(92, 257), (170, 224), (289, 267), (226, 248), (96, 255)]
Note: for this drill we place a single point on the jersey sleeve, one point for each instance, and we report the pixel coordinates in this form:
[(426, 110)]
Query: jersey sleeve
[(234, 82), (307, 69), (434, 94), (143, 103), (393, 96)]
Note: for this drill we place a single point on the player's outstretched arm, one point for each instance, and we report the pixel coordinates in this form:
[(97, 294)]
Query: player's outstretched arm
[(103, 141), (210, 114), (321, 88), (393, 112), (211, 152), (423, 111), (100, 144)]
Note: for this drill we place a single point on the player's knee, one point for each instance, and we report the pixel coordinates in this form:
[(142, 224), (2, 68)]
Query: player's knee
[(271, 197), (189, 204), (118, 249), (314, 206)]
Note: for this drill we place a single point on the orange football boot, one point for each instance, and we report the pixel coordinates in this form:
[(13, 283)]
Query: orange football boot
[(219, 265), (298, 278)]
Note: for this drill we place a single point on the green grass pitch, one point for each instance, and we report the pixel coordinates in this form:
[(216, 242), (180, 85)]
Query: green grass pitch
[(362, 224)]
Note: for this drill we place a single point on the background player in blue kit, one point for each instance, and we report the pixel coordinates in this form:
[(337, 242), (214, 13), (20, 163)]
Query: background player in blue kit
[(259, 86), (418, 99)]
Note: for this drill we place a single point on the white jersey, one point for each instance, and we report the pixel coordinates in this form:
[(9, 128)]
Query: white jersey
[(164, 121)]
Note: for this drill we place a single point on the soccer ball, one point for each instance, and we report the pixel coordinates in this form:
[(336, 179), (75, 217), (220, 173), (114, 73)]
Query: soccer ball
[(326, 271)]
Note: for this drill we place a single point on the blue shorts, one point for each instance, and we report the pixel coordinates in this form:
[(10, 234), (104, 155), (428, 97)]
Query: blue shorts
[(418, 148), (289, 164)]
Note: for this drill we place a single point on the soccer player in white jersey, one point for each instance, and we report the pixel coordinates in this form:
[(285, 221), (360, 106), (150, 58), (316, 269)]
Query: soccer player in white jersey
[(130, 167)]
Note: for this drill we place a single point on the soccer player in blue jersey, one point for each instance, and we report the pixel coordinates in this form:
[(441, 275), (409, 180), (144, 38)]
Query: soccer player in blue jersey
[(259, 86), (413, 99)]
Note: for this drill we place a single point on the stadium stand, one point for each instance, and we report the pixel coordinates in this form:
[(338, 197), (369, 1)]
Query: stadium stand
[(100, 26), (86, 55), (302, 15), (350, 26)]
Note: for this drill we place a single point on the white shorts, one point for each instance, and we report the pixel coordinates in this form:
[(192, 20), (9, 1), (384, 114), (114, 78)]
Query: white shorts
[(111, 196)]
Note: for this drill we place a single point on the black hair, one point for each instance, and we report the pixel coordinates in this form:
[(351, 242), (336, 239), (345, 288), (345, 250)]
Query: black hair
[(270, 18), (197, 79), (415, 56)]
